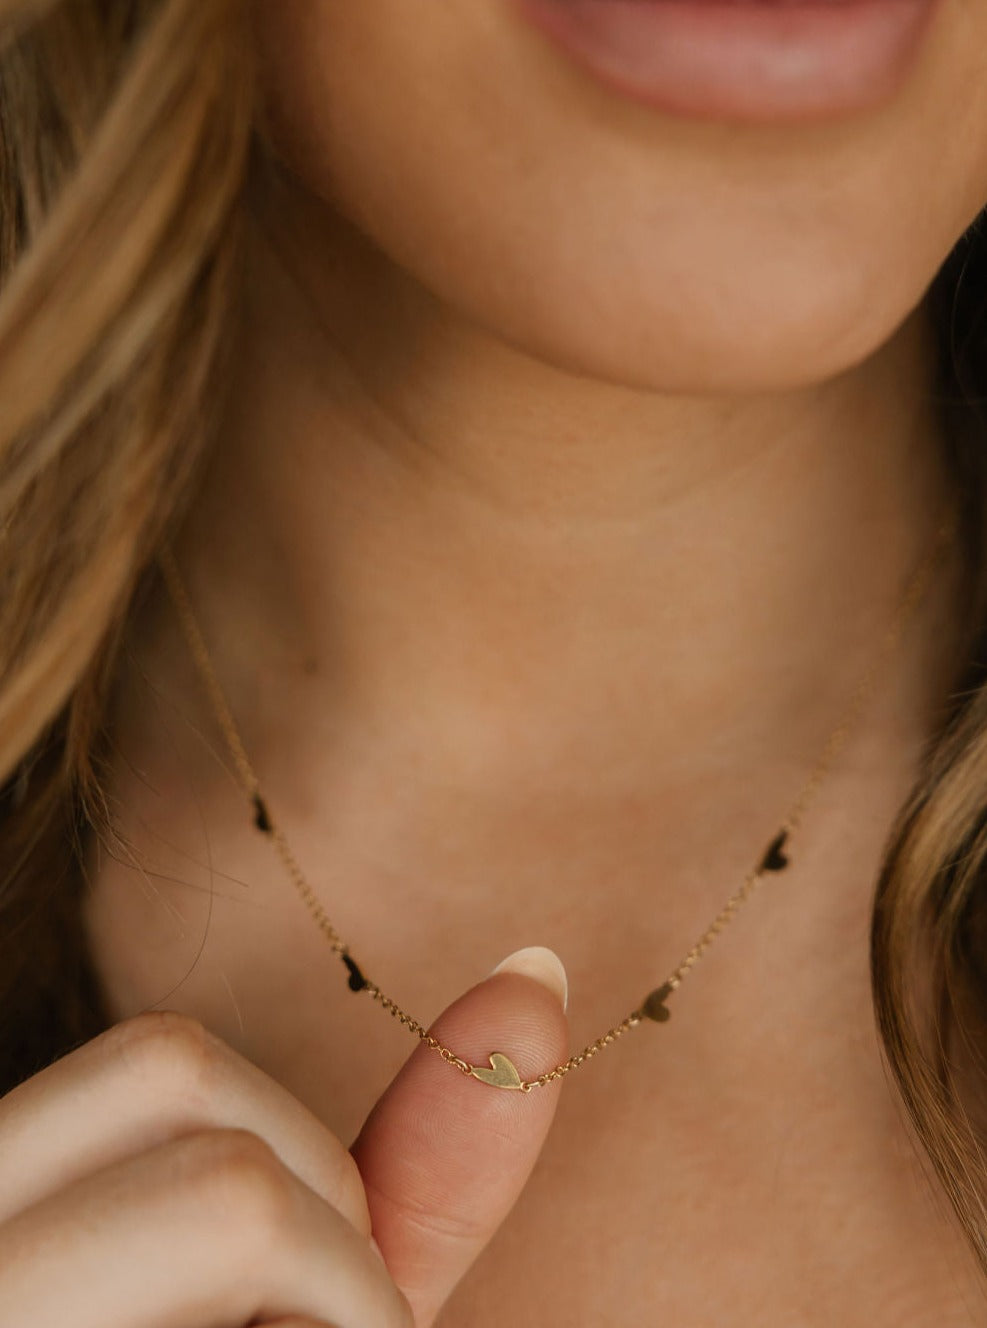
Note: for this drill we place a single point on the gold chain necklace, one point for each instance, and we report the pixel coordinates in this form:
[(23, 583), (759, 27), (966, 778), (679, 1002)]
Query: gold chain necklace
[(501, 1072)]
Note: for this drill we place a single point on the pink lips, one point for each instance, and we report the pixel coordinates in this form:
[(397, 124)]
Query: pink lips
[(753, 60)]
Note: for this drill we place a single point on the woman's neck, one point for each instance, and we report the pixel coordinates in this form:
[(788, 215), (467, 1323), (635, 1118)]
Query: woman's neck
[(526, 568)]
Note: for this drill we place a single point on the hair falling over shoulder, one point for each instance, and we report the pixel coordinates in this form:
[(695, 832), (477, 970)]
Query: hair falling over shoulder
[(125, 128), (125, 139)]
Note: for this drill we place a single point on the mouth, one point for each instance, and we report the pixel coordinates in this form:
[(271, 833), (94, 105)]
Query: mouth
[(760, 61)]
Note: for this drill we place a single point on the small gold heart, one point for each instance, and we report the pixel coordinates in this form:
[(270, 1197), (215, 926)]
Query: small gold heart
[(655, 1008), (503, 1074)]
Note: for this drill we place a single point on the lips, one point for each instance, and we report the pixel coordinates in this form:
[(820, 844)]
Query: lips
[(754, 60)]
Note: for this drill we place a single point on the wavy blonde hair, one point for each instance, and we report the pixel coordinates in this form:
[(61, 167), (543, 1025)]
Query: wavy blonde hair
[(125, 142), (125, 133)]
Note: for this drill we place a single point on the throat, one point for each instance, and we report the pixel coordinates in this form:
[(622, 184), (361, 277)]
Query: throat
[(535, 574)]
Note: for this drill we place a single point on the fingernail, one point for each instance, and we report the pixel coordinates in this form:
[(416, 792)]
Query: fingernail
[(542, 964)]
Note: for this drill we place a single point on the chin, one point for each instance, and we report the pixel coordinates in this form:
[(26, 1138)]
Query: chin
[(716, 306), (621, 241), (699, 335)]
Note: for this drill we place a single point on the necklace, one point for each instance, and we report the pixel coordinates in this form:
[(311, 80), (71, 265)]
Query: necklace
[(501, 1072)]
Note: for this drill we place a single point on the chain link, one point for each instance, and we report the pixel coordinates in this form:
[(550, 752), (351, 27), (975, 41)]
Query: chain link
[(654, 1007)]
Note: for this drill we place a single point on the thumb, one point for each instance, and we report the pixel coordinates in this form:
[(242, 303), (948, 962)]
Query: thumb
[(443, 1156)]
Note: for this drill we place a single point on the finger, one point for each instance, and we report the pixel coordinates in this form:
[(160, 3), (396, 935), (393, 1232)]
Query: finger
[(443, 1156), (209, 1231), (151, 1079)]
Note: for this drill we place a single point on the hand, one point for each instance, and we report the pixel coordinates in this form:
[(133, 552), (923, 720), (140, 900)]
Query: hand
[(156, 1179)]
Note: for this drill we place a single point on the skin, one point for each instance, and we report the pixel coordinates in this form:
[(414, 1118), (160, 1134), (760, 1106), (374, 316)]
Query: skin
[(224, 1201), (576, 455)]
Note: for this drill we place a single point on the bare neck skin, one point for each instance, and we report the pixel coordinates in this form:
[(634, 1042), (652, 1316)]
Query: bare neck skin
[(531, 572)]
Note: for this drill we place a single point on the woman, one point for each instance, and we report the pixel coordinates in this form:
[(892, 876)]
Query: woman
[(530, 428)]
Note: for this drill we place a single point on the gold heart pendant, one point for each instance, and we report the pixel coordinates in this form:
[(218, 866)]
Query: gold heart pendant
[(502, 1075)]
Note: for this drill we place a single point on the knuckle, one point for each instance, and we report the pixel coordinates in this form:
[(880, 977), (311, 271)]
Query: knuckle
[(240, 1180), (172, 1052)]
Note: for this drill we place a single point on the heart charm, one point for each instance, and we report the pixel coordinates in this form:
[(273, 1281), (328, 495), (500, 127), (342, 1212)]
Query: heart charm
[(774, 859), (655, 1008), (501, 1075)]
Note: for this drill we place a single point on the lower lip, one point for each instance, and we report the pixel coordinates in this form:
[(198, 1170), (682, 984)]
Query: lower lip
[(754, 60)]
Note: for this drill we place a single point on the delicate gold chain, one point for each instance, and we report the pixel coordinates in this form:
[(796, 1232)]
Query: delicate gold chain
[(502, 1073)]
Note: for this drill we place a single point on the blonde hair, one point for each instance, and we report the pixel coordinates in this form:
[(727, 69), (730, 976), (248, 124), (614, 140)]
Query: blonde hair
[(125, 130), (125, 141)]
